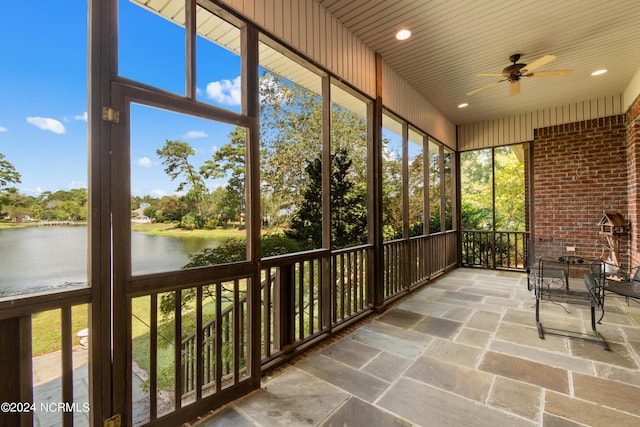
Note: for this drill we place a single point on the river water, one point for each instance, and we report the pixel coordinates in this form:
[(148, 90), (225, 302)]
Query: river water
[(34, 259)]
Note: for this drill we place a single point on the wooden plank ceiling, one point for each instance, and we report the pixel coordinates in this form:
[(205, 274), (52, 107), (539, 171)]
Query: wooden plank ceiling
[(454, 40)]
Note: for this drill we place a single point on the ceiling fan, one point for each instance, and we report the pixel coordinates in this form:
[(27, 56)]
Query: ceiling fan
[(514, 72)]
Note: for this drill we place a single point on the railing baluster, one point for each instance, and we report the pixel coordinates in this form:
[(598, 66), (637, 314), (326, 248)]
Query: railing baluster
[(153, 357), (67, 363)]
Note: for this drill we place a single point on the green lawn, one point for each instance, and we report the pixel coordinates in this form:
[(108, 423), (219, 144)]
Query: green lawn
[(173, 230), (46, 327), (8, 225)]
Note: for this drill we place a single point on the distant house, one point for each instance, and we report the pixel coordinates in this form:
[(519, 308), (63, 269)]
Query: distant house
[(142, 219)]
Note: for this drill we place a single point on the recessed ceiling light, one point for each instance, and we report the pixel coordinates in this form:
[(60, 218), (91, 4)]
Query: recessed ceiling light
[(464, 104), (598, 72), (403, 34)]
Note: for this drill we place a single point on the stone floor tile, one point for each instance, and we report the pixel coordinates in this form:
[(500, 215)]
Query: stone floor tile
[(531, 372), (413, 337), (425, 307), (467, 297), (549, 420), (351, 352), (616, 318), (586, 413), (357, 413), (474, 305), (608, 393), (459, 314), (611, 333), (516, 397), (227, 417), (389, 343), (438, 327), (358, 383), (618, 354), (487, 292), (528, 335), (387, 366), (484, 320), (457, 379), (631, 333), (635, 346), (520, 317), (505, 302), (401, 318), (473, 337), (285, 400), (440, 408), (541, 355), (454, 352), (616, 373)]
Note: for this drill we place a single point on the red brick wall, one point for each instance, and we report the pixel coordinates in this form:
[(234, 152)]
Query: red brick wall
[(633, 168), (580, 172)]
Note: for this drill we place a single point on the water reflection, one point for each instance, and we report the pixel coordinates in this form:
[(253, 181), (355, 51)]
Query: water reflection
[(35, 259), (155, 254)]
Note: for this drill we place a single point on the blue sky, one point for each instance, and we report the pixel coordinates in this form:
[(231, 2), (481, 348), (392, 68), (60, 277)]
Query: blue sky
[(43, 93)]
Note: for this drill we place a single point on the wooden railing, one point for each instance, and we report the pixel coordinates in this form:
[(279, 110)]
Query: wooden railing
[(350, 268), (494, 249), (411, 262), (209, 341), (394, 274), (305, 295)]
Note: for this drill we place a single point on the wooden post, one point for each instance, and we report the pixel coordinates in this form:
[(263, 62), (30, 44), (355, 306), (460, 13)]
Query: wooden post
[(375, 202)]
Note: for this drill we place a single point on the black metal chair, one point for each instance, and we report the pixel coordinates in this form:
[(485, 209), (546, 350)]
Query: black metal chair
[(552, 283)]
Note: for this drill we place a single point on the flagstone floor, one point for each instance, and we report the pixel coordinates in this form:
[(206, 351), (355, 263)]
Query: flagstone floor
[(462, 351)]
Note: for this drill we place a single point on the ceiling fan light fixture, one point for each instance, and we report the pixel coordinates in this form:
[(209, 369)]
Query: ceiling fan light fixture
[(463, 105), (599, 72), (403, 34)]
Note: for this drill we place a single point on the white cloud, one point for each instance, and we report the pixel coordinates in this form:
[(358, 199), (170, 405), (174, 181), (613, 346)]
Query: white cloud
[(158, 193), (3, 129), (193, 134), (82, 117), (46, 123), (145, 162), (225, 91)]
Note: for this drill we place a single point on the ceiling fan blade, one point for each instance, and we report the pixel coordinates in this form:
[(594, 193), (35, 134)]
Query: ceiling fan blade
[(514, 88), (538, 63), (492, 74), (550, 73), (484, 87)]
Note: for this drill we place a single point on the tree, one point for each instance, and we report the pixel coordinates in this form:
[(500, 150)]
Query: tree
[(391, 193), (175, 157), (306, 223), (291, 138), (172, 208), (229, 160), (478, 184), (348, 206), (8, 173), (15, 203)]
